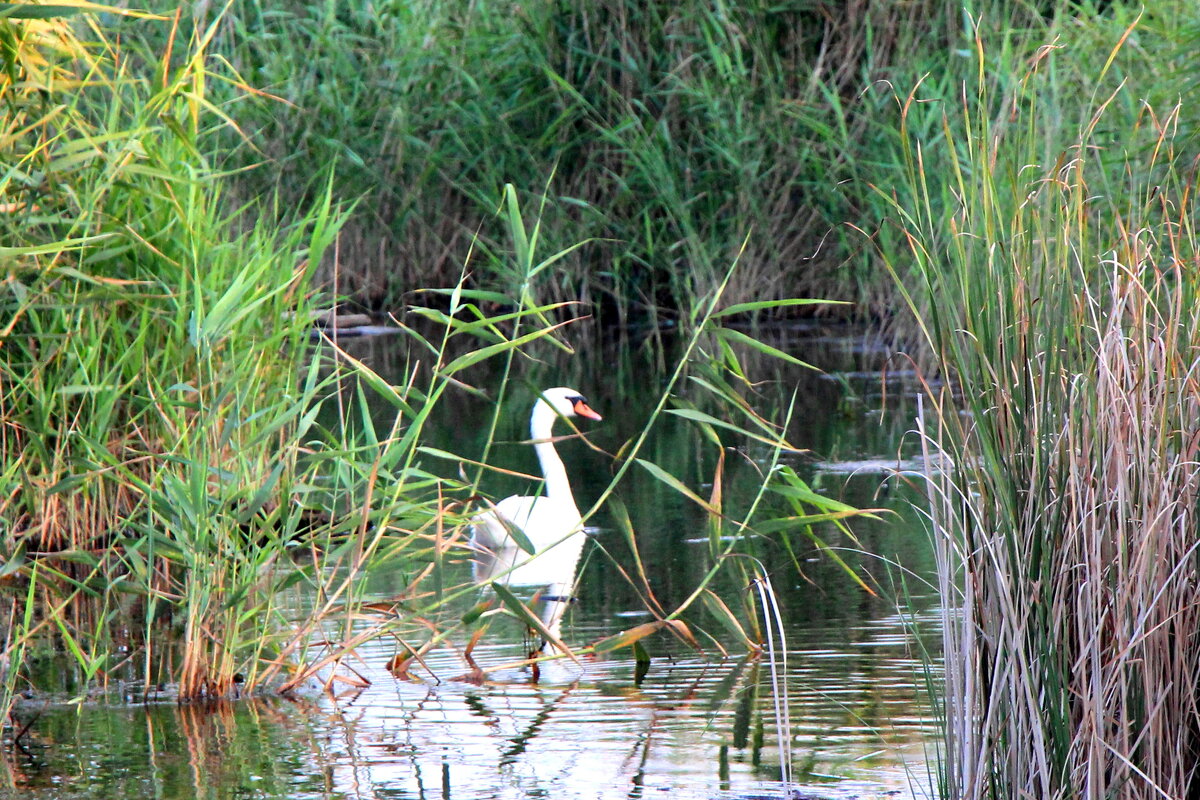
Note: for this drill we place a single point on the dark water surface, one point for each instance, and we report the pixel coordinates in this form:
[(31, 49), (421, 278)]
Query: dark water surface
[(692, 726)]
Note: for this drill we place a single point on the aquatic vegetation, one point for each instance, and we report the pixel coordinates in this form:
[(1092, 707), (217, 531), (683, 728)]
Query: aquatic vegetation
[(1047, 247), (670, 136), (169, 482), (196, 485), (154, 388)]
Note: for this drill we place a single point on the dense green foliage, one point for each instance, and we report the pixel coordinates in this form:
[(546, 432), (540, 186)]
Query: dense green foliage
[(666, 135), (149, 347)]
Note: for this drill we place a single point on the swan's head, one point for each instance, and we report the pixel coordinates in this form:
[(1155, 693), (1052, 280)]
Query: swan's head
[(567, 403)]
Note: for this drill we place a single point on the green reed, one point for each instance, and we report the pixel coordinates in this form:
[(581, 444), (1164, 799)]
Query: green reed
[(177, 506), (666, 134), (154, 389), (1045, 242), (671, 138)]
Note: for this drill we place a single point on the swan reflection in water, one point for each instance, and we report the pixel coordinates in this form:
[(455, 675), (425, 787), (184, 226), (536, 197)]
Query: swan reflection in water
[(536, 541)]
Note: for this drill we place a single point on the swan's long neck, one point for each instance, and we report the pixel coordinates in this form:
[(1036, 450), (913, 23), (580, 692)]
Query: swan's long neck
[(541, 428)]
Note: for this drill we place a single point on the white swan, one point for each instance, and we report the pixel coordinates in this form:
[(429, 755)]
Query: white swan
[(551, 522)]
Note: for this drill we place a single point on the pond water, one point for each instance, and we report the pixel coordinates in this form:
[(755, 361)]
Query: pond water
[(690, 724)]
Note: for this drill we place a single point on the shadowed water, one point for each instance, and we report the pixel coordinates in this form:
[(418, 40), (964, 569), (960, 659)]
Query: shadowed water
[(689, 725)]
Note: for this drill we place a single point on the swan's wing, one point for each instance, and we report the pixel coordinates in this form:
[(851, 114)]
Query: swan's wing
[(543, 520), (490, 529), (487, 531), (554, 529)]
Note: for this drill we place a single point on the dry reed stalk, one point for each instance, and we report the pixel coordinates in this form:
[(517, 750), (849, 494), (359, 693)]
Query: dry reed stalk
[(1072, 659)]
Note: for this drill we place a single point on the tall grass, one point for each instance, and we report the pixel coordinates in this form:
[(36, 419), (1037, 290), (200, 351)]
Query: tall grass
[(1049, 230), (152, 369), (664, 133)]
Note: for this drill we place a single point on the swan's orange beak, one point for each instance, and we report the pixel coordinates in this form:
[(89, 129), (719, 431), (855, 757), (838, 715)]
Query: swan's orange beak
[(582, 409)]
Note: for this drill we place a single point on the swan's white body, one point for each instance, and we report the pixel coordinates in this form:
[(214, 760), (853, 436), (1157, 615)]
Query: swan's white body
[(550, 522)]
